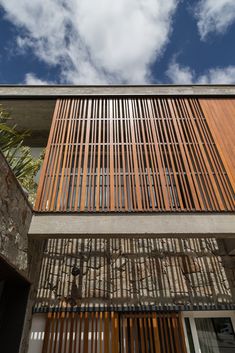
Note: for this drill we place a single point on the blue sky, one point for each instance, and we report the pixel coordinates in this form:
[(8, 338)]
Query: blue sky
[(125, 41)]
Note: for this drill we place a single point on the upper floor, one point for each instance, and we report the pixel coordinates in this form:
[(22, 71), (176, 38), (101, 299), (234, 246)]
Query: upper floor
[(130, 148)]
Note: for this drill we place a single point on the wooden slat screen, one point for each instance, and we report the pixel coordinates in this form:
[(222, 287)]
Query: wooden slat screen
[(105, 332), (132, 155)]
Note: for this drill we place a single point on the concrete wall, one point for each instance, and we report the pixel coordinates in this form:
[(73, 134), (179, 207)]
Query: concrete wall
[(21, 254), (59, 91)]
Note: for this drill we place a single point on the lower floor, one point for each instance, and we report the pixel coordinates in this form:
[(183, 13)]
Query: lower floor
[(122, 295), (134, 295), (133, 332)]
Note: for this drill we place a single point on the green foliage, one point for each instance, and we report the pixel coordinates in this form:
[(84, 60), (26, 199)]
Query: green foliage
[(19, 157)]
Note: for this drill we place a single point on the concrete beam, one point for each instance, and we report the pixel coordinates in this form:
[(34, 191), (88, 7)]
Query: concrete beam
[(100, 225), (11, 91)]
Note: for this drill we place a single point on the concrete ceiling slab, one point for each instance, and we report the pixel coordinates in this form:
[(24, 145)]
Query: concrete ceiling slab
[(31, 114)]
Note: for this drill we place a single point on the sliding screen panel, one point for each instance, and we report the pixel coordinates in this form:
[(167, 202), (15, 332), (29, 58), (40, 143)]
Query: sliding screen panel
[(132, 154), (111, 332)]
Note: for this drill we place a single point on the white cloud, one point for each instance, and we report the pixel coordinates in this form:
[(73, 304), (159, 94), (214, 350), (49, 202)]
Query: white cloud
[(184, 75), (94, 41), (225, 75), (214, 16), (31, 79), (179, 74)]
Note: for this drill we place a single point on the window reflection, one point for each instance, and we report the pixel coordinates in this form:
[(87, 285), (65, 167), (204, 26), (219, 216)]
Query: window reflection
[(215, 335)]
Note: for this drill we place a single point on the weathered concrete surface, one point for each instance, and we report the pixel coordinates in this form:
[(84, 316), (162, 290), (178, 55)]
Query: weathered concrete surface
[(96, 90), (185, 225), (16, 249)]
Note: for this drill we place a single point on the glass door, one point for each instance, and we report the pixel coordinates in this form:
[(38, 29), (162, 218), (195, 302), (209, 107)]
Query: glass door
[(210, 333)]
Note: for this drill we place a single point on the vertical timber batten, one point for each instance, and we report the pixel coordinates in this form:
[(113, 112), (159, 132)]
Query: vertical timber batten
[(136, 154), (112, 332)]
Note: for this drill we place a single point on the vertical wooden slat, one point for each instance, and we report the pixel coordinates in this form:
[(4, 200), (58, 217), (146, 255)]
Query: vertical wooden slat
[(128, 154), (99, 332), (86, 333), (135, 162), (106, 332), (80, 157), (111, 155), (156, 334), (47, 334), (61, 319), (96, 346), (80, 348), (86, 156)]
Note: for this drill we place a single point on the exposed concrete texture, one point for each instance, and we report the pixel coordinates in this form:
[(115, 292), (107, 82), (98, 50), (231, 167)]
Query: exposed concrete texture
[(198, 225), (22, 254), (58, 91)]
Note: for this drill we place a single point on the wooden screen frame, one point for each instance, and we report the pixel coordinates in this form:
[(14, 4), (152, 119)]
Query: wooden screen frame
[(114, 332), (132, 155)]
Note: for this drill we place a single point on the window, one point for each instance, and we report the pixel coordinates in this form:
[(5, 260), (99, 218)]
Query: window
[(210, 332)]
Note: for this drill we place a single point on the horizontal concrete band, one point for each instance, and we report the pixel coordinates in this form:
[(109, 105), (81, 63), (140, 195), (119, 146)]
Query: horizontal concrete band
[(180, 225), (164, 90)]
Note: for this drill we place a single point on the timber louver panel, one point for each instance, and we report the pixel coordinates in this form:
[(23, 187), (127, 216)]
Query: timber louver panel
[(104, 332), (132, 155)]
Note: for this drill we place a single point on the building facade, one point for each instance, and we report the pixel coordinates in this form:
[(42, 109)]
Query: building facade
[(134, 217)]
